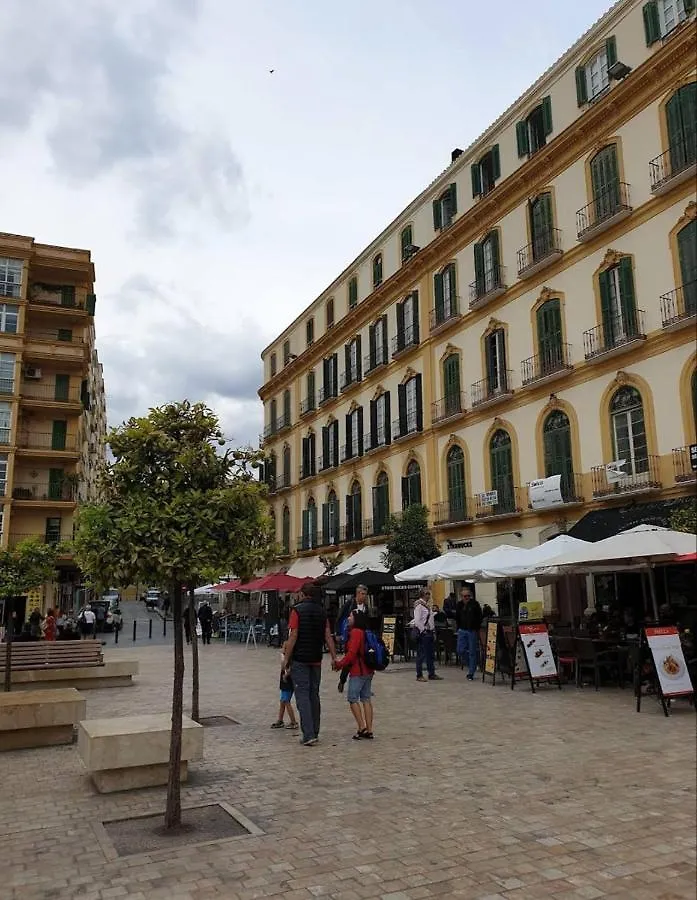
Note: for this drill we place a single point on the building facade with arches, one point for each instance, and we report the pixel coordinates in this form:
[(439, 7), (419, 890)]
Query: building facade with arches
[(531, 314)]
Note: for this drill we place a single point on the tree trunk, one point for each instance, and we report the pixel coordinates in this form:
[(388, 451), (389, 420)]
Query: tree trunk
[(173, 812), (9, 635), (194, 657)]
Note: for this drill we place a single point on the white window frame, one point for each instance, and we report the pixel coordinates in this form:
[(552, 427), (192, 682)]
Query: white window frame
[(379, 333), (597, 77), (7, 372), (380, 420), (8, 313), (448, 298), (408, 309), (10, 277), (354, 433), (626, 416), (353, 359), (670, 14), (5, 421), (499, 368), (410, 403), (333, 460), (620, 328), (3, 476), (489, 265)]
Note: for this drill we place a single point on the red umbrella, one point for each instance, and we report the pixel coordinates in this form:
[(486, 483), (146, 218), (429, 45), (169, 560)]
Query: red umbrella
[(233, 585), (276, 581), (686, 557)]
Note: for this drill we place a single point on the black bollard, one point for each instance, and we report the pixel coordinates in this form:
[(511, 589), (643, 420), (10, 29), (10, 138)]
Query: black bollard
[(164, 627), (150, 630), (134, 629), (116, 634)]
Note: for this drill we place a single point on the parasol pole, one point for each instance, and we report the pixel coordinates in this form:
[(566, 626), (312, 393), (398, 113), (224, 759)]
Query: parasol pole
[(652, 585)]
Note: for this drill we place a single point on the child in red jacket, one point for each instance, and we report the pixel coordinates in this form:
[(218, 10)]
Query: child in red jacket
[(360, 676)]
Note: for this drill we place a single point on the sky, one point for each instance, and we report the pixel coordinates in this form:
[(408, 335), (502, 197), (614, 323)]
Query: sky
[(218, 197)]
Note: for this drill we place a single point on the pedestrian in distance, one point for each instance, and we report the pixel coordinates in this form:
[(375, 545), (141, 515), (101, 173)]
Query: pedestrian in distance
[(424, 633), (205, 617), (360, 686), (87, 622), (285, 705), (359, 602), (50, 626), (469, 621), (186, 618)]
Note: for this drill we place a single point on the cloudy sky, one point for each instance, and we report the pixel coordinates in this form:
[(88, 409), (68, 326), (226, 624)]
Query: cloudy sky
[(218, 198)]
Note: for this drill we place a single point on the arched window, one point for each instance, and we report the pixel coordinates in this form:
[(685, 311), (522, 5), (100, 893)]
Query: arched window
[(381, 503), (550, 345), (687, 254), (330, 520), (309, 525), (681, 118), (354, 513), (556, 436), (605, 181), (411, 485), (285, 530), (377, 270), (286, 466), (457, 504), (629, 431), (501, 462), (286, 410)]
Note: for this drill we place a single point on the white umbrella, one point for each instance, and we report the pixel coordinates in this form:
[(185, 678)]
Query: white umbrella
[(431, 570), (528, 561), (475, 567)]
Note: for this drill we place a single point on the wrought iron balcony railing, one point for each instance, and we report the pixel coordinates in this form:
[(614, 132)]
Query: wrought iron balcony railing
[(49, 538), (374, 361), (491, 284), (541, 251), (283, 422), (551, 361), (350, 376), (685, 463), (55, 393), (64, 491), (678, 305), (642, 474), (405, 429), (307, 405), (405, 339), (48, 441), (448, 313), (505, 500), (677, 161), (604, 208), (449, 406), (492, 388), (615, 332), (327, 392), (379, 438), (452, 512)]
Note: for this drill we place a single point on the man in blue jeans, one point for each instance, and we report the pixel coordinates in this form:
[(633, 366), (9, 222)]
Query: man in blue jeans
[(308, 632), (469, 620), (425, 626)]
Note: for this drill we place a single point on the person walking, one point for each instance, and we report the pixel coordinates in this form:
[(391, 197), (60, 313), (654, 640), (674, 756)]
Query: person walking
[(424, 627), (50, 626), (87, 622), (360, 690), (186, 619), (35, 620), (360, 603), (205, 617), (308, 632), (469, 621)]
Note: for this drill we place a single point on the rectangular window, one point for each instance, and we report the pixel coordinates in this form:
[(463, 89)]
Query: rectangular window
[(353, 293), (445, 208), (10, 277), (310, 331), (380, 420), (286, 352), (9, 317), (53, 530), (486, 172), (355, 432), (3, 474), (597, 77), (5, 422), (380, 358), (406, 243), (670, 14), (334, 444), (496, 361), (449, 306), (273, 364), (411, 405), (408, 308), (7, 373)]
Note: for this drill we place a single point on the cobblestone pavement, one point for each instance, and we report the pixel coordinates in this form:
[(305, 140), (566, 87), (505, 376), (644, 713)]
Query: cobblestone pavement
[(468, 791)]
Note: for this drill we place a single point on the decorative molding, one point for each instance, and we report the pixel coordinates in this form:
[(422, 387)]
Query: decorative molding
[(379, 391), (621, 377), (353, 407), (611, 258), (690, 211), (546, 294), (552, 403), (408, 375)]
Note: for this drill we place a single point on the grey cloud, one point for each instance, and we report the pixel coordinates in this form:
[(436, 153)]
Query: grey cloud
[(95, 79)]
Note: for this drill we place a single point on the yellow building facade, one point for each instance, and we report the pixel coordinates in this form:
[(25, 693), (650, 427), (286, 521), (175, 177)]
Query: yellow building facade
[(52, 404), (530, 315)]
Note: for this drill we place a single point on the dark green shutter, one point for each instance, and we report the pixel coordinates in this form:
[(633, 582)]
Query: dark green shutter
[(85, 394), (437, 214), (286, 466), (606, 309), (419, 403), (415, 330), (376, 509), (384, 338), (56, 478), (611, 50), (454, 305), (353, 292), (325, 524), (502, 476), (52, 534), (65, 334), (476, 180), (541, 225), (311, 390), (521, 135), (491, 362), (90, 303), (388, 421), (286, 407), (400, 326), (58, 435), (62, 389), (335, 439), (493, 238), (557, 453), (495, 162), (402, 401), (405, 492), (627, 299), (451, 384), (312, 452), (372, 349), (687, 253), (547, 115), (652, 24), (359, 449), (681, 115), (549, 335), (452, 199), (305, 529), (349, 437), (581, 86), (406, 241), (479, 269), (349, 517), (359, 359), (456, 486), (440, 299), (373, 422), (605, 182), (305, 457), (325, 446), (67, 295)]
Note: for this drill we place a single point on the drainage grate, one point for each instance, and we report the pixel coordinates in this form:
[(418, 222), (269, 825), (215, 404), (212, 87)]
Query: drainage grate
[(217, 721)]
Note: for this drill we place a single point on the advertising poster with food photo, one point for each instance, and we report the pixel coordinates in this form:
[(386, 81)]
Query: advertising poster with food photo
[(538, 651), (669, 660)]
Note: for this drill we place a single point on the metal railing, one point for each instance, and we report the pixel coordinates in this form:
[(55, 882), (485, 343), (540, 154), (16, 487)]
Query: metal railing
[(679, 304), (492, 388), (308, 542), (378, 438), (543, 246), (371, 361), (329, 463), (42, 296), (405, 339), (449, 312), (492, 281), (683, 465), (375, 527), (350, 376), (282, 481), (333, 537), (307, 405), (52, 392), (283, 422), (52, 539), (410, 427), (550, 361), (646, 476), (452, 512), (676, 159), (508, 501), (614, 332), (326, 393), (64, 491), (5, 436), (310, 472), (448, 406), (356, 531), (570, 486), (55, 335), (269, 430), (47, 441), (603, 207)]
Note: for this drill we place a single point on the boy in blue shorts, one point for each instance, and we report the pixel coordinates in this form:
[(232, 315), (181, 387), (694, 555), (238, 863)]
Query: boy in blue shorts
[(286, 688)]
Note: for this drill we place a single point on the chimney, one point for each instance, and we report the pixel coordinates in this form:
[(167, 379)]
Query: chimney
[(456, 154)]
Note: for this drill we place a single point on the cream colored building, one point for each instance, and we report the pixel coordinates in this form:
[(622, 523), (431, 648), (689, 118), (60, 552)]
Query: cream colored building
[(530, 314), (52, 408)]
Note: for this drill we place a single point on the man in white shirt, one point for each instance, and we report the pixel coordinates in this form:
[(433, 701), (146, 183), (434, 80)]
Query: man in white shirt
[(87, 621), (424, 625)]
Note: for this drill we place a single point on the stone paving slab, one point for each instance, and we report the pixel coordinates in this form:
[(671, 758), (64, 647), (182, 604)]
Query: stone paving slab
[(468, 791)]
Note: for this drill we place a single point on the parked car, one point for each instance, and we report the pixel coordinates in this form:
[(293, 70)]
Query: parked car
[(152, 599)]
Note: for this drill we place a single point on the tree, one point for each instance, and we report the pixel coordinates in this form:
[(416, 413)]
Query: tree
[(685, 519), (174, 505), (29, 565), (410, 541)]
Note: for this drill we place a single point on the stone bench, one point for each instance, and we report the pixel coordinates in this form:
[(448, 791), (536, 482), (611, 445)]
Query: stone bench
[(116, 672), (39, 718), (133, 751)]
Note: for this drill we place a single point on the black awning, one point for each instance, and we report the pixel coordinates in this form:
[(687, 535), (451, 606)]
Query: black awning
[(603, 523)]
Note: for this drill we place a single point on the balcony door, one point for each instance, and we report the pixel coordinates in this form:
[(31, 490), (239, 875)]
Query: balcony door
[(495, 362), (605, 182), (381, 503), (681, 117), (455, 463), (541, 226), (451, 384), (501, 461), (549, 337), (556, 433), (687, 251), (617, 303), (629, 431)]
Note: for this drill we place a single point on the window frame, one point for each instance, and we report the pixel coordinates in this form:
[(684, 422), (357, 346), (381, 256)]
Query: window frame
[(631, 468), (310, 331), (8, 361), (9, 267), (5, 314)]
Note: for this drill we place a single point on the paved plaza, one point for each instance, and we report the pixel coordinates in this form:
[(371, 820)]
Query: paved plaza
[(468, 791)]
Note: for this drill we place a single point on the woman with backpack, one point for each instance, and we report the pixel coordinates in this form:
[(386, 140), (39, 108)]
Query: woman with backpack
[(360, 676)]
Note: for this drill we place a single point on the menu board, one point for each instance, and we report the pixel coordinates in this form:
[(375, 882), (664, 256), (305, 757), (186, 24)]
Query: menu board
[(490, 660), (669, 660), (531, 611), (538, 651), (389, 624)]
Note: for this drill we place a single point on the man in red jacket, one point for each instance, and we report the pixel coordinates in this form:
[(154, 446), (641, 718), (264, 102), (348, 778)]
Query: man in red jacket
[(361, 676)]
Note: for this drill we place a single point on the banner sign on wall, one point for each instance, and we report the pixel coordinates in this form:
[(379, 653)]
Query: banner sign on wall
[(545, 492)]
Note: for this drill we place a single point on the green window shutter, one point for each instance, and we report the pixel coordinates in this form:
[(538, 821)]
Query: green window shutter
[(581, 86), (419, 403), (454, 304), (689, 6), (325, 523), (359, 358), (493, 238), (388, 420), (58, 435), (611, 50), (305, 529), (605, 307), (476, 180), (400, 326), (353, 292), (415, 299), (402, 400), (451, 382), (56, 478), (384, 338), (627, 297), (52, 533), (652, 24), (496, 162), (62, 389), (440, 300), (405, 242), (687, 253), (90, 303), (311, 390), (65, 334), (67, 295), (521, 136), (437, 215), (372, 347), (549, 334), (325, 446), (452, 195), (479, 268), (547, 115)]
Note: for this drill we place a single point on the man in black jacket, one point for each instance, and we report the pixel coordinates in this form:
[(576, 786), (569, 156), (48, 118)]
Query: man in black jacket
[(308, 632), (469, 620)]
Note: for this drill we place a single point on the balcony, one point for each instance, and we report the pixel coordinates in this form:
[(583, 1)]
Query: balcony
[(305, 473), (347, 453), (64, 299), (571, 489), (489, 287), (380, 439), (505, 502), (448, 407), (350, 377), (327, 393), (332, 538), (491, 390), (410, 428), (677, 165), (308, 542), (375, 527), (552, 363), (324, 464), (356, 531), (307, 406), (283, 422), (405, 340), (282, 481), (49, 393), (540, 253), (371, 362), (452, 512), (55, 344), (440, 318), (615, 335), (609, 207), (685, 463), (64, 491), (678, 307), (269, 431), (48, 441), (646, 477), (50, 538)]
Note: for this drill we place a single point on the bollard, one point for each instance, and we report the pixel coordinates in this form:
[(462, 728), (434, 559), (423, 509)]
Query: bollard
[(134, 629), (116, 634), (164, 627), (150, 630)]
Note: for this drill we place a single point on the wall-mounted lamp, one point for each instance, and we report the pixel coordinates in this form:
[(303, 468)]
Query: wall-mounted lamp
[(618, 70)]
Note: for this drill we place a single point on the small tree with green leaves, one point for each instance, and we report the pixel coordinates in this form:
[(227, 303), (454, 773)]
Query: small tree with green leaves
[(410, 541), (685, 519), (174, 506), (25, 567)]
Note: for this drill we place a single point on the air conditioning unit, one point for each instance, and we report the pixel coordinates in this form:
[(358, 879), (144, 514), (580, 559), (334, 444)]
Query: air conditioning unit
[(32, 372)]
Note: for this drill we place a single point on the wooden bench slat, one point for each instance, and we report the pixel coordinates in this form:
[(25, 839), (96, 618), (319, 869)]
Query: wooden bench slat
[(43, 655)]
